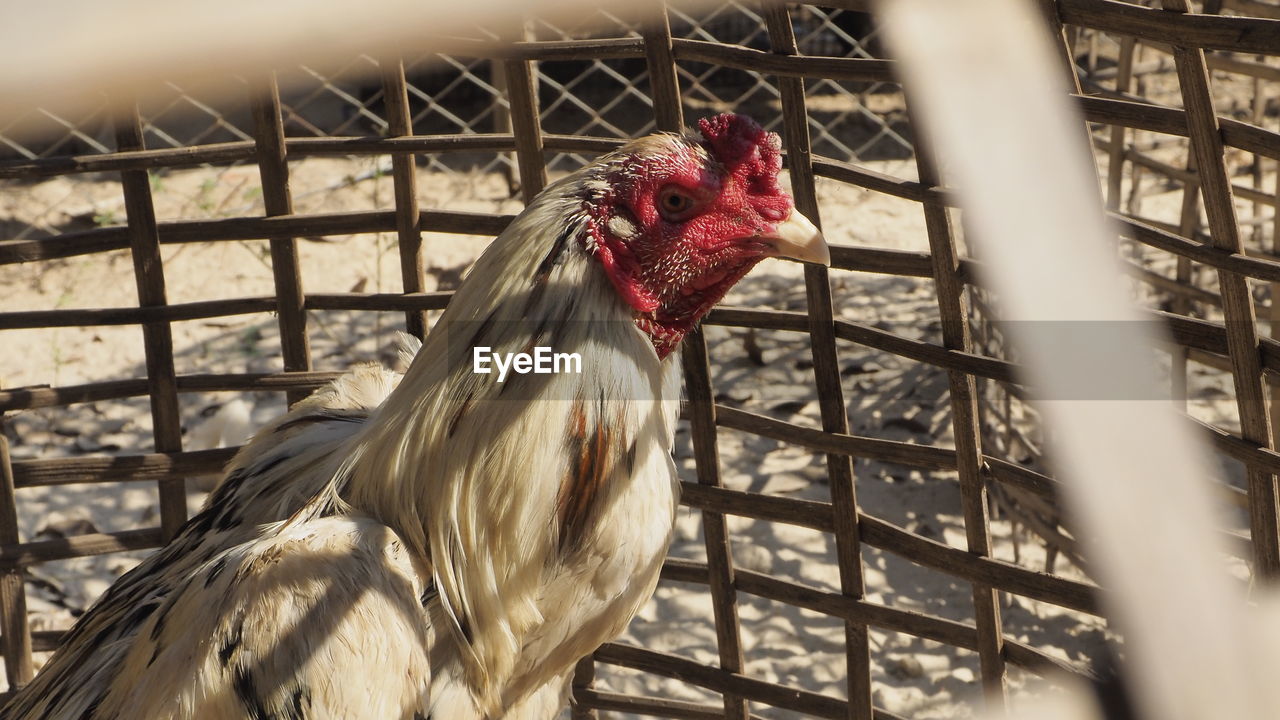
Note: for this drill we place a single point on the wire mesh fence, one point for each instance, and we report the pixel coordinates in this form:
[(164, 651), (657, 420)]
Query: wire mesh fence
[(593, 96)]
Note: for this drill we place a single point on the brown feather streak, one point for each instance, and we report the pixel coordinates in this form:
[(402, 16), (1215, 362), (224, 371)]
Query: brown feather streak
[(462, 410), (592, 450)]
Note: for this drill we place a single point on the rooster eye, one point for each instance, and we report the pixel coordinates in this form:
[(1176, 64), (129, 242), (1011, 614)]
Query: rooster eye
[(675, 204)]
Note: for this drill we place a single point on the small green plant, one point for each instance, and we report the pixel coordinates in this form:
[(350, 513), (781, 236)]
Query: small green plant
[(103, 218), (204, 199), (58, 359)]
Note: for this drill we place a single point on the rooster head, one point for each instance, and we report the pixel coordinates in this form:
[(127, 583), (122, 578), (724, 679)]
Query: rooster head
[(675, 221)]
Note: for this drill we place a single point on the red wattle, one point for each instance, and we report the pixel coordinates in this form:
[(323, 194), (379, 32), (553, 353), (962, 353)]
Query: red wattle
[(624, 281)]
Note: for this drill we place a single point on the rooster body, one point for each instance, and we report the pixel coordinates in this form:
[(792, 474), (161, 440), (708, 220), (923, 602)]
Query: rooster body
[(450, 546)]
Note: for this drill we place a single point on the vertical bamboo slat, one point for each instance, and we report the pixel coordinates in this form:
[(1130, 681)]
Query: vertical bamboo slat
[(584, 676), (1134, 202), (661, 62), (502, 121), (1115, 146), (953, 309), (404, 176), (526, 126), (273, 167), (826, 369), (1275, 303), (18, 667), (702, 417), (1259, 173), (720, 569), (1242, 335), (1188, 223), (144, 241)]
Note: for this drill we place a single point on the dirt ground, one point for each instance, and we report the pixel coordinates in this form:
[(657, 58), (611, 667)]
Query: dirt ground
[(886, 396)]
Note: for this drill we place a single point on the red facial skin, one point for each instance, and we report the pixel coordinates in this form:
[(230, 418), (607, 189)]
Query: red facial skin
[(671, 262)]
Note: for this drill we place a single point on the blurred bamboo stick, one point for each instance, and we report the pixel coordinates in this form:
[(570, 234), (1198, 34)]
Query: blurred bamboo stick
[(990, 91)]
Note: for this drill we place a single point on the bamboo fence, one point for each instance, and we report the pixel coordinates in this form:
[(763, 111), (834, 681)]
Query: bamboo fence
[(1209, 309)]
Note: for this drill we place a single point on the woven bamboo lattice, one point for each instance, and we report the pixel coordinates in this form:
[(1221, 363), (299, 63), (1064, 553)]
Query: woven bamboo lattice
[(1207, 280)]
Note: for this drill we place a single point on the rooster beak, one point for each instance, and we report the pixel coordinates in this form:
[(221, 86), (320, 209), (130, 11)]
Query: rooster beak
[(797, 238)]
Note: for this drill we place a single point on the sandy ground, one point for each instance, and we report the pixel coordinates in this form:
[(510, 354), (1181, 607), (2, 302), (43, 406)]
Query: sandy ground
[(886, 396)]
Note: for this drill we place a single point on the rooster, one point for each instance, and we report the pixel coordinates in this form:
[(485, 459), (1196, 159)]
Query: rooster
[(447, 545)]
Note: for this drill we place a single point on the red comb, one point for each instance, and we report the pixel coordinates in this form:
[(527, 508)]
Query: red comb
[(745, 149), (732, 138)]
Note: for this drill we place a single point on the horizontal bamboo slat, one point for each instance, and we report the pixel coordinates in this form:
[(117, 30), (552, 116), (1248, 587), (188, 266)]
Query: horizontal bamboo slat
[(261, 228), (119, 468), (723, 681), (886, 536), (1208, 32), (661, 707), (39, 551), (43, 396), (910, 622)]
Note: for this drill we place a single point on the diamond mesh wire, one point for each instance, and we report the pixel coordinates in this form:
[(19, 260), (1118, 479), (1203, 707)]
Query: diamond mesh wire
[(453, 94)]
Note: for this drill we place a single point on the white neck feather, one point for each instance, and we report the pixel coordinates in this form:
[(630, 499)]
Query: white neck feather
[(468, 470)]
